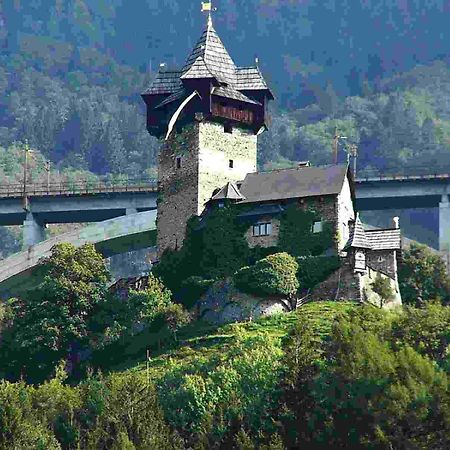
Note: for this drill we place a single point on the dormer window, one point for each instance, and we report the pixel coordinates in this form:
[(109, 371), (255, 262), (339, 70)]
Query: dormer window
[(178, 162)]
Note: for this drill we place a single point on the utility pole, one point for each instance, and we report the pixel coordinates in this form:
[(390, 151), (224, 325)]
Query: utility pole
[(26, 149), (47, 168), (335, 145)]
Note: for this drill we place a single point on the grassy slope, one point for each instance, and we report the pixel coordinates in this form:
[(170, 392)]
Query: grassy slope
[(200, 343)]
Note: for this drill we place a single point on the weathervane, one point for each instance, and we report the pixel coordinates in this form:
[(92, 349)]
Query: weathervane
[(207, 6)]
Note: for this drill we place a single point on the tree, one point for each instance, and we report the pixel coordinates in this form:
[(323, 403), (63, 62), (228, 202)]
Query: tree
[(382, 287), (423, 276), (54, 320)]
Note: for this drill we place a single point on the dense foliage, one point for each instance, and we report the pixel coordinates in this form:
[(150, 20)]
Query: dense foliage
[(275, 275), (423, 276), (294, 223), (314, 269), (71, 316), (207, 255), (54, 320), (330, 375)]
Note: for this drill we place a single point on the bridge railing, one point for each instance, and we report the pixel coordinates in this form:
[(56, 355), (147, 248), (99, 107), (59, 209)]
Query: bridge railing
[(78, 187), (405, 173)]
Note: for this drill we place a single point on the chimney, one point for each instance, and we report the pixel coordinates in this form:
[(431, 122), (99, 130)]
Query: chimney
[(395, 220)]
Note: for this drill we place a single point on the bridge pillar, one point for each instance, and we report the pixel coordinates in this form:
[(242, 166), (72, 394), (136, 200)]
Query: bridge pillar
[(444, 224), (33, 232)]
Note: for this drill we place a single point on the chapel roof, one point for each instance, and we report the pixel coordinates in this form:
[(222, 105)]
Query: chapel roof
[(293, 183)]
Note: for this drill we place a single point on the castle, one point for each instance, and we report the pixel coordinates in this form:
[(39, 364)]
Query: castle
[(208, 116)]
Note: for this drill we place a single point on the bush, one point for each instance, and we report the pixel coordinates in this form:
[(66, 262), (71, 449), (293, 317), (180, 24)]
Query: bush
[(312, 270), (423, 276), (425, 329), (215, 395), (274, 275), (175, 316), (193, 288), (382, 287)]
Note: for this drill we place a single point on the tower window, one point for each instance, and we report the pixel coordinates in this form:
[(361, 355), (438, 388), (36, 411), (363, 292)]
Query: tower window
[(228, 128), (230, 163), (178, 162)]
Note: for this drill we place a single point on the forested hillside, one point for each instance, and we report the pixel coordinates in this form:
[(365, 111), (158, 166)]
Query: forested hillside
[(71, 73)]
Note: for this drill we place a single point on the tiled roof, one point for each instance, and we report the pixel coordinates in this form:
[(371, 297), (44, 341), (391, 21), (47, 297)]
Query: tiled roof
[(197, 70), (293, 183), (211, 49), (228, 92), (249, 79), (165, 82), (229, 191), (357, 235), (209, 59), (175, 96), (384, 239)]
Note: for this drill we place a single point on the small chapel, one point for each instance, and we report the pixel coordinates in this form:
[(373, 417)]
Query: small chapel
[(208, 115)]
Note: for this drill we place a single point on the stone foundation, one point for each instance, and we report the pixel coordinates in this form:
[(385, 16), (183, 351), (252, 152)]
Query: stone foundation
[(223, 303)]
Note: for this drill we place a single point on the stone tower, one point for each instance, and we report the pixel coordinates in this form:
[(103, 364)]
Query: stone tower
[(208, 116)]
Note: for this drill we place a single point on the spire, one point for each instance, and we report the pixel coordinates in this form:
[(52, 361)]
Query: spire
[(210, 54)]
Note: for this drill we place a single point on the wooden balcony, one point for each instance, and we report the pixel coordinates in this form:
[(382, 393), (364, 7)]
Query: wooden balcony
[(229, 112)]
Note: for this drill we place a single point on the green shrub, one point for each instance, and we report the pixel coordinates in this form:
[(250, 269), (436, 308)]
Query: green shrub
[(382, 287), (193, 288), (422, 276), (425, 329), (218, 394), (175, 316), (312, 270), (274, 275)]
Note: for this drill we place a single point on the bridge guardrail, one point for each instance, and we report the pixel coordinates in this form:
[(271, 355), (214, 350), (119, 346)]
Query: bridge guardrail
[(78, 187), (395, 173)]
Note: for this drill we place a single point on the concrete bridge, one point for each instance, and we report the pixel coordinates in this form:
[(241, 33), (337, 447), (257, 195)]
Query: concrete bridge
[(110, 237), (76, 202), (408, 192)]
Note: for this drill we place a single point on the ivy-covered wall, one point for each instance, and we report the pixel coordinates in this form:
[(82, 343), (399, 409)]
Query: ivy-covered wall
[(216, 246)]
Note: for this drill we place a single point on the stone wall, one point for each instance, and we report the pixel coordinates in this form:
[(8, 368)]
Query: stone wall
[(345, 213), (383, 261), (371, 297), (264, 241), (223, 303), (325, 206), (205, 151), (216, 149), (178, 187), (341, 285)]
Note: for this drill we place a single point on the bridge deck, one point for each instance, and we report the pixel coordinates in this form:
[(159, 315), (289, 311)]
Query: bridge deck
[(77, 188)]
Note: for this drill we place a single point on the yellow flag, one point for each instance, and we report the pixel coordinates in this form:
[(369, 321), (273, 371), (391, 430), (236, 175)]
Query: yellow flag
[(206, 6)]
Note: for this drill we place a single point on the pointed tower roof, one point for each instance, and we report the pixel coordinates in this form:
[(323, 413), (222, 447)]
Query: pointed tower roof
[(230, 191), (358, 238), (216, 59)]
